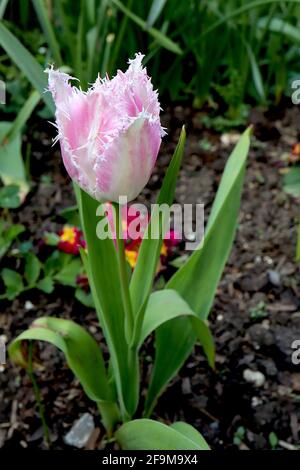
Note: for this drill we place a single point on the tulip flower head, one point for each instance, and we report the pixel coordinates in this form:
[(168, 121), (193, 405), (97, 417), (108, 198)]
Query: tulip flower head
[(111, 134)]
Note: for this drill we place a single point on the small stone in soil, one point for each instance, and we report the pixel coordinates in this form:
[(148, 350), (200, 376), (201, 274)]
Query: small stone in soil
[(274, 278), (28, 305), (80, 432), (256, 401), (186, 386), (254, 377)]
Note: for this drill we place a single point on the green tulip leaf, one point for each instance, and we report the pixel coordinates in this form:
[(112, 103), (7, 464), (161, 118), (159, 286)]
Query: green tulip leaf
[(146, 434), (197, 280), (82, 353)]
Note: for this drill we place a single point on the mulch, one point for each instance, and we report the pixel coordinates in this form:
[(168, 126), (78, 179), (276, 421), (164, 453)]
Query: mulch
[(255, 316)]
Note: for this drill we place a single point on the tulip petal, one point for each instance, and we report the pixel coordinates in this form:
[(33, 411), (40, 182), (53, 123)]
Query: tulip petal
[(129, 160), (110, 135)]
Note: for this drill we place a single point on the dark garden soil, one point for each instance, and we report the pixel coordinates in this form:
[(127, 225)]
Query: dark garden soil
[(255, 316)]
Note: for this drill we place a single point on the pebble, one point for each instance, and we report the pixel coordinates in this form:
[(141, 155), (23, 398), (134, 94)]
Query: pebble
[(230, 138), (28, 305), (81, 431), (186, 386), (254, 377), (274, 278), (256, 401)]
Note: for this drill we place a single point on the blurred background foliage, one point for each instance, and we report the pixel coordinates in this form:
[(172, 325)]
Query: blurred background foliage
[(238, 52)]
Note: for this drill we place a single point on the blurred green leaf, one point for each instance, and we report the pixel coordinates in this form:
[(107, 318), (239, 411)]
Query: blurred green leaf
[(68, 274), (155, 10), (46, 285), (32, 269), (280, 26), (239, 11), (71, 215), (256, 75), (51, 238), (13, 282), (25, 247), (12, 168), (42, 14), (10, 197), (163, 40), (291, 181), (85, 298), (8, 235), (26, 62), (22, 117), (82, 353), (146, 434), (273, 440), (3, 5)]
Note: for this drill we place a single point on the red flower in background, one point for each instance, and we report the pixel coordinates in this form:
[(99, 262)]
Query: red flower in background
[(70, 240), (132, 248), (83, 282)]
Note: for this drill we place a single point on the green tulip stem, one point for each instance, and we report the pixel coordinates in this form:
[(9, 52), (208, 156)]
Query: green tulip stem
[(129, 320)]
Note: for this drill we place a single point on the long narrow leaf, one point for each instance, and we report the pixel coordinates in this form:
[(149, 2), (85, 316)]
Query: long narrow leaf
[(142, 278), (80, 349), (3, 6), (163, 40), (155, 10), (23, 115), (12, 168), (166, 305), (26, 62), (205, 266), (197, 280), (105, 286), (239, 11), (278, 25), (256, 75), (48, 30), (166, 308)]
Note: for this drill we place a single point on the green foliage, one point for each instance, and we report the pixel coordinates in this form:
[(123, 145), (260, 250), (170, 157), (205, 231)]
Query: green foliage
[(8, 233), (239, 435), (203, 269), (59, 268), (238, 51), (259, 311), (291, 185), (12, 169), (273, 440), (291, 181), (177, 314), (142, 279), (10, 197), (71, 338), (102, 267), (144, 434)]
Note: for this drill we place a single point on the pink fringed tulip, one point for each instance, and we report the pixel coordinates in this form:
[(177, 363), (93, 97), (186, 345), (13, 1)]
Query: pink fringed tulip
[(110, 135)]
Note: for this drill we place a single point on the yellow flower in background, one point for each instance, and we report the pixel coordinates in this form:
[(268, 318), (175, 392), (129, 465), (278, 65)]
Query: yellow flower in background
[(131, 257)]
